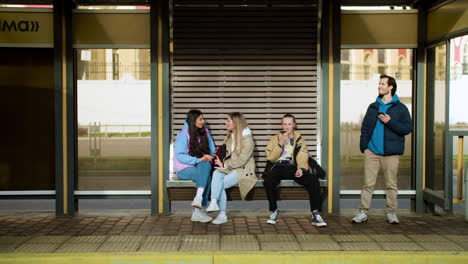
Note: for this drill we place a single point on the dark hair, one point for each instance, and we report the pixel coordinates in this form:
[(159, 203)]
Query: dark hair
[(198, 144), (291, 116), (391, 82)]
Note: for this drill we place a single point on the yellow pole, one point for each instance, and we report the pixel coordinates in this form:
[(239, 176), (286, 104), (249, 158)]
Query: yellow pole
[(64, 117), (330, 113), (460, 169), (160, 113)]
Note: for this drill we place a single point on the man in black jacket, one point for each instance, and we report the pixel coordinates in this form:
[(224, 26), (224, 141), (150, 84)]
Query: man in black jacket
[(385, 125)]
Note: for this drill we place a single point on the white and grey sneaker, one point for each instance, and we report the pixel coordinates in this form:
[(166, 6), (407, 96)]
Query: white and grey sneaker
[(273, 217), (317, 220), (220, 219), (200, 216), (197, 202), (213, 207), (360, 217), (392, 218)]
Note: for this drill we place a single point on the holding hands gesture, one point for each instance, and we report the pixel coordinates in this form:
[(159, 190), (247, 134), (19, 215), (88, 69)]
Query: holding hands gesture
[(207, 157)]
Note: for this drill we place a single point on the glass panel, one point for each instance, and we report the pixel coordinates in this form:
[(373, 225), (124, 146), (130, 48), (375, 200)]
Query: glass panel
[(458, 83), (27, 146), (358, 90), (439, 117), (456, 147), (113, 93)]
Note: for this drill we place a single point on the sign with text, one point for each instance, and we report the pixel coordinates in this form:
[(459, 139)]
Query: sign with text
[(26, 28)]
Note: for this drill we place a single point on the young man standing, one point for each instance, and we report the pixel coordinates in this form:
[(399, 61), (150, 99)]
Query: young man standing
[(385, 125)]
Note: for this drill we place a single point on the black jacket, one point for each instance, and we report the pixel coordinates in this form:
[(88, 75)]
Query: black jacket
[(395, 130)]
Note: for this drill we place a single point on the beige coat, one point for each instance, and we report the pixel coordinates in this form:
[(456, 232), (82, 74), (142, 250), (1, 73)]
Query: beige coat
[(273, 150), (243, 163)]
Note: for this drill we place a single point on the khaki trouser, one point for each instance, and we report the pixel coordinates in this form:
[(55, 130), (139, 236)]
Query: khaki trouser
[(372, 165)]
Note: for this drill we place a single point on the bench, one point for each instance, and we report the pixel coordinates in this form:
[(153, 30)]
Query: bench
[(182, 190)]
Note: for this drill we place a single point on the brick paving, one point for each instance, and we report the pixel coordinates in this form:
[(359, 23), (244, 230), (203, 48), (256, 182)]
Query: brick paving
[(237, 225), (177, 233)]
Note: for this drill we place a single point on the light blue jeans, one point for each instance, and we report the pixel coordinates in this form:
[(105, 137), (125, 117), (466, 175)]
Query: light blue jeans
[(219, 183), (200, 174)]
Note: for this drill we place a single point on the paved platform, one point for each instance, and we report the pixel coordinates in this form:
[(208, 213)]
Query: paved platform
[(32, 238)]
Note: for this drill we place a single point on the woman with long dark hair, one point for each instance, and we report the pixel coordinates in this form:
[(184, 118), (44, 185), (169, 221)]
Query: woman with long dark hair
[(193, 153), (238, 167)]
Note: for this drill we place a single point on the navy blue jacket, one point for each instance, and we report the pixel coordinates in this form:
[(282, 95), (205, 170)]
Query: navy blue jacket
[(395, 130)]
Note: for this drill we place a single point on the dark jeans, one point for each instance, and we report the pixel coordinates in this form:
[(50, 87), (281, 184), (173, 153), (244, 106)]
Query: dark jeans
[(286, 172)]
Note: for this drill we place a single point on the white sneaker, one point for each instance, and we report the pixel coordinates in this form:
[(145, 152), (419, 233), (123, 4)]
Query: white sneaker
[(360, 217), (200, 216), (273, 217), (392, 218), (213, 207), (220, 219), (197, 201), (317, 220)]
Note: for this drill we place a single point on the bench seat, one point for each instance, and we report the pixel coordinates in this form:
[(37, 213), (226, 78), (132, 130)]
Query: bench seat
[(183, 190), (184, 183)]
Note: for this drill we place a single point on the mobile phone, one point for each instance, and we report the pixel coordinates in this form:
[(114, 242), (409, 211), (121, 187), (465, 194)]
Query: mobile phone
[(282, 131), (381, 113)]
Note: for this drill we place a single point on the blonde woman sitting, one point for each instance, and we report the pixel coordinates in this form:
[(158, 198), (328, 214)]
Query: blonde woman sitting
[(238, 167)]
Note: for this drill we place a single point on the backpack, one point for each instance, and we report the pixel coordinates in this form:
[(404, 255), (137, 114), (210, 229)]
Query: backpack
[(315, 168)]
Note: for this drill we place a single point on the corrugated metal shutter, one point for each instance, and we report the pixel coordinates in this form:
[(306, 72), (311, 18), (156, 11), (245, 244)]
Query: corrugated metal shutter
[(255, 57)]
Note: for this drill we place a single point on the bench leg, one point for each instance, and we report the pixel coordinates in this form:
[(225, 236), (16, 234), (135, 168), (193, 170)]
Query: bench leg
[(323, 198)]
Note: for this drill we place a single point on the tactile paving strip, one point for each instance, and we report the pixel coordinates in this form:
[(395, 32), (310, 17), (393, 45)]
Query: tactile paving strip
[(315, 238), (124, 239), (118, 247), (390, 238), (200, 238), (87, 239), (13, 239), (362, 246), (238, 238), (276, 238), (37, 248), (442, 246), (192, 245), (320, 246), (352, 238), (458, 238), (401, 246), (77, 247), (6, 248), (158, 246), (48, 239), (428, 238), (279, 246), (239, 246)]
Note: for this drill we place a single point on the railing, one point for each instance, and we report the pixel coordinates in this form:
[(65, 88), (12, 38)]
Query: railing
[(96, 128)]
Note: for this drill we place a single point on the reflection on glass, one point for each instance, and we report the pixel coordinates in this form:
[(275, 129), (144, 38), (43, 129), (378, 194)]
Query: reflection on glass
[(27, 147), (113, 91), (439, 119), (456, 147), (458, 83), (358, 90)]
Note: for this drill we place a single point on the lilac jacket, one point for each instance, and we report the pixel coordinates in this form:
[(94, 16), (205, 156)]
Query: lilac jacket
[(182, 158)]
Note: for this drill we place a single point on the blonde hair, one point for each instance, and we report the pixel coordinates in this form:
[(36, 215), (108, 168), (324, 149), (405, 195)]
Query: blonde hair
[(239, 125)]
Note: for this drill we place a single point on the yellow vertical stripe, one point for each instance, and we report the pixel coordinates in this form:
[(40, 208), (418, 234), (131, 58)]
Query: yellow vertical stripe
[(160, 112), (460, 168), (424, 127), (330, 112), (64, 118)]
